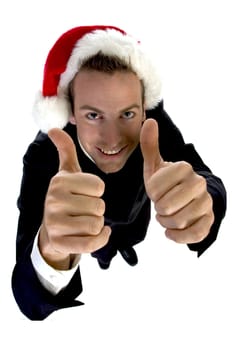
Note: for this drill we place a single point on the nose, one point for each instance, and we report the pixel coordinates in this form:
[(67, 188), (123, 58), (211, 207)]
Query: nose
[(110, 134)]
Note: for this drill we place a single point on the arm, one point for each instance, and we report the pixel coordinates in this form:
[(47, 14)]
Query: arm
[(40, 164)]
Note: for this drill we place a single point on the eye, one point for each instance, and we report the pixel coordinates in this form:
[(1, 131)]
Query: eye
[(93, 116), (128, 115)]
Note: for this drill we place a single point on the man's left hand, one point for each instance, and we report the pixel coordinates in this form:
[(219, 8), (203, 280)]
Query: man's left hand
[(180, 197)]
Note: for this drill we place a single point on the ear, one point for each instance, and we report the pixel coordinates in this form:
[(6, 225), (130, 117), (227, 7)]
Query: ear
[(72, 120)]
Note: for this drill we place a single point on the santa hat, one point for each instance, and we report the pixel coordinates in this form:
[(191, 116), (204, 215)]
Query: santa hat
[(52, 106)]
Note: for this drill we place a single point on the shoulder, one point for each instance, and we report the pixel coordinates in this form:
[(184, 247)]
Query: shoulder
[(42, 152), (165, 122), (156, 112), (159, 114)]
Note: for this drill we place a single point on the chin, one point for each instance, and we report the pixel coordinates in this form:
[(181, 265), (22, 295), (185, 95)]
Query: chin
[(111, 169)]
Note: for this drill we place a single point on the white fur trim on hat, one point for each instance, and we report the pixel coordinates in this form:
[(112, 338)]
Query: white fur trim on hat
[(51, 112)]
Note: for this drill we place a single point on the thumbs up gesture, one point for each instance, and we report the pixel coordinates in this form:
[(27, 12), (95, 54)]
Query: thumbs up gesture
[(73, 221), (180, 197)]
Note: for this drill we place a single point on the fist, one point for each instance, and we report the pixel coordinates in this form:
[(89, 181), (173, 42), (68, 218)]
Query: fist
[(180, 197), (73, 221)]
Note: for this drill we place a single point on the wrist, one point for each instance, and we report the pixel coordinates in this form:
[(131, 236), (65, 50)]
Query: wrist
[(55, 259)]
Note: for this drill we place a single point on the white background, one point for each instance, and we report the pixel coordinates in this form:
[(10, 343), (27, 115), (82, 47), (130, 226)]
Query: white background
[(171, 299)]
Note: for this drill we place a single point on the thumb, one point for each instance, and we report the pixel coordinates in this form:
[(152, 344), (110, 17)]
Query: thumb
[(68, 159), (149, 141)]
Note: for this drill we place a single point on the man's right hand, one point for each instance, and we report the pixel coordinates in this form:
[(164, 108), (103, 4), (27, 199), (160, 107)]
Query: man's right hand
[(73, 221)]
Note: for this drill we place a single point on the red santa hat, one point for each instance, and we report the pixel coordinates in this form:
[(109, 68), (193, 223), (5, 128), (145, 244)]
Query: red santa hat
[(52, 106)]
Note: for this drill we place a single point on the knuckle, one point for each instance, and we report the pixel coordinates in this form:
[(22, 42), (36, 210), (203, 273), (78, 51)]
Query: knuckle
[(202, 182), (100, 206), (53, 214), (208, 205), (100, 186), (51, 208), (162, 208), (95, 183), (57, 181), (56, 187), (173, 222), (209, 220), (95, 225), (198, 233), (187, 166), (174, 237), (179, 223), (53, 231), (184, 166), (211, 216), (98, 241), (170, 235)]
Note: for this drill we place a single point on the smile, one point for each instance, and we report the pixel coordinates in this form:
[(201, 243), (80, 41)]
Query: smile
[(110, 152)]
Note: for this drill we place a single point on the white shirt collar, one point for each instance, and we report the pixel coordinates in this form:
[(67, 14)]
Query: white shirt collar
[(85, 152)]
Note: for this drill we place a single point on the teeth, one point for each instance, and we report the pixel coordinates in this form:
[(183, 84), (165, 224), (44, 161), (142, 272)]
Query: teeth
[(110, 152)]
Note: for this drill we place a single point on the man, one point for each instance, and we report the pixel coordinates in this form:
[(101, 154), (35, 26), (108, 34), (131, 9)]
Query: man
[(88, 188)]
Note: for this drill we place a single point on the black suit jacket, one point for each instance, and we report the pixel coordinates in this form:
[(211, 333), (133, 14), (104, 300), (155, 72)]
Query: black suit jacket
[(127, 209)]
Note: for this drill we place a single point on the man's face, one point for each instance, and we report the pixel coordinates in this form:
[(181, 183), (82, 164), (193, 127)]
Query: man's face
[(108, 112)]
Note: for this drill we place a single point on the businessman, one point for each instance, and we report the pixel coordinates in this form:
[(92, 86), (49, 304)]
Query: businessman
[(105, 152)]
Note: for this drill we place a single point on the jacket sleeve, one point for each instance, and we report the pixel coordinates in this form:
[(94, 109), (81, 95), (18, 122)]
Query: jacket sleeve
[(173, 148), (40, 164)]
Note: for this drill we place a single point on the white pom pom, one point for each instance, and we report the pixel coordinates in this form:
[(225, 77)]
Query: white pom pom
[(51, 112)]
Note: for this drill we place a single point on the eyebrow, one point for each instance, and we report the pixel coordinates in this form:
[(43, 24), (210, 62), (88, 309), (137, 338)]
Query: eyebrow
[(97, 110)]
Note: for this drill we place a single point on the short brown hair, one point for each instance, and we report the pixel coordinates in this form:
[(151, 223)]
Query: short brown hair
[(106, 64)]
